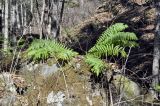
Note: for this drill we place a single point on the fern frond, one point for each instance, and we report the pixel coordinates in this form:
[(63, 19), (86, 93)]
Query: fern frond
[(119, 37), (112, 30), (96, 64), (125, 39), (111, 43), (42, 49), (66, 54), (107, 50)]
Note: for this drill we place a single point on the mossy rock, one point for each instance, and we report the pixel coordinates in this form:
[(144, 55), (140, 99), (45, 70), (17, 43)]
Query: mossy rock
[(128, 87), (40, 86)]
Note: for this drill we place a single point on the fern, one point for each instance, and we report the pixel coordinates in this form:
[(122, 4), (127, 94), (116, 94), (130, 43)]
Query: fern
[(112, 30), (43, 49), (112, 42), (107, 50), (119, 38), (96, 64)]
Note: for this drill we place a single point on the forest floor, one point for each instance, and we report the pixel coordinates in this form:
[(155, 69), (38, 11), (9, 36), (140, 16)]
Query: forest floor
[(74, 84)]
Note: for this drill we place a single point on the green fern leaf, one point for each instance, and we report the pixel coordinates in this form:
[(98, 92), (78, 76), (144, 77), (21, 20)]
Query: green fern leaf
[(96, 64), (112, 42), (118, 27), (42, 49)]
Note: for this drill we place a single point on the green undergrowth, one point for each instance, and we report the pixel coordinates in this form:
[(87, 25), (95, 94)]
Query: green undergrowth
[(112, 42), (43, 49)]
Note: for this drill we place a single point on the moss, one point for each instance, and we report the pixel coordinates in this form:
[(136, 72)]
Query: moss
[(40, 87), (130, 88)]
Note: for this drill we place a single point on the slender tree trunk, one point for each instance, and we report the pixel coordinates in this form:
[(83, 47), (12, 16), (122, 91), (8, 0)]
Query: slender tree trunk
[(47, 18), (31, 3), (6, 26), (31, 8), (49, 27), (39, 18), (22, 16), (3, 11), (25, 19), (60, 19), (42, 17), (156, 55), (13, 15), (17, 17), (43, 9), (56, 18), (13, 21), (1, 17)]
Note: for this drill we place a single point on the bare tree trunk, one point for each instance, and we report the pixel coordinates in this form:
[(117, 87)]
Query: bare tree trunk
[(49, 27), (6, 26), (156, 58), (17, 17), (3, 11), (22, 16), (31, 8), (55, 19), (13, 21), (1, 17), (31, 3), (40, 16), (60, 19), (13, 14), (47, 18), (25, 19)]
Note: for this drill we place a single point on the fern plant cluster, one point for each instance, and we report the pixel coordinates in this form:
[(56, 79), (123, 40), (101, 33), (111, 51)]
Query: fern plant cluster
[(112, 42), (43, 49)]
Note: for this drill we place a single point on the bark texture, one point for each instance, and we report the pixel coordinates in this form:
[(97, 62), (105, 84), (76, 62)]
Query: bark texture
[(156, 55), (6, 26)]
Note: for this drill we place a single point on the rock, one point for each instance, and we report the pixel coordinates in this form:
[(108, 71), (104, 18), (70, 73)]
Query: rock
[(150, 97), (139, 2), (43, 69), (147, 37), (9, 91), (126, 86), (56, 99), (8, 81), (49, 70), (89, 100), (30, 67), (8, 100)]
